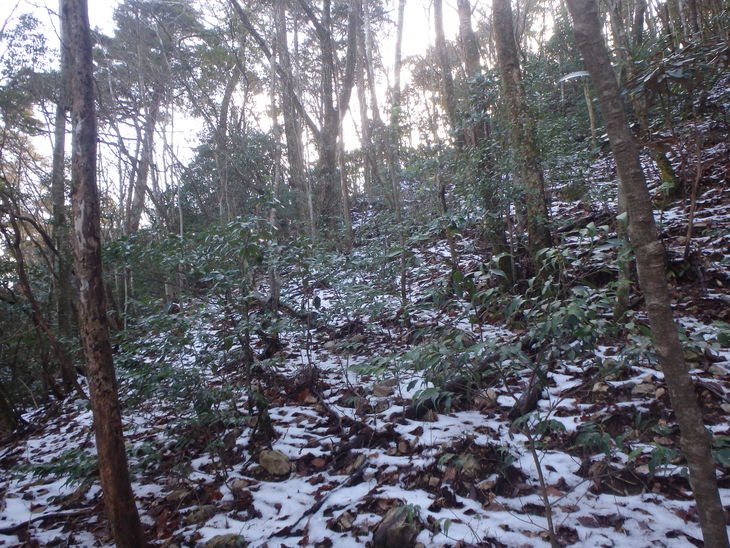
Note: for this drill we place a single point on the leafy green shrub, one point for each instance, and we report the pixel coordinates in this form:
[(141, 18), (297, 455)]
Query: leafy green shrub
[(75, 465)]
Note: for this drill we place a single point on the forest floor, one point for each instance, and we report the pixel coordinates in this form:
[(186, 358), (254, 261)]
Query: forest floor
[(349, 445)]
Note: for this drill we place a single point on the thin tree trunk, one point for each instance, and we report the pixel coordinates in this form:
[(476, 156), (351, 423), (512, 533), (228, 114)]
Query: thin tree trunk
[(113, 468), (395, 149), (14, 240), (650, 259), (343, 103), (470, 52), (143, 167), (344, 192), (332, 115), (494, 225), (58, 192), (365, 140), (330, 200), (627, 71), (292, 129), (591, 114), (447, 80), (221, 152), (692, 14), (376, 128), (523, 129)]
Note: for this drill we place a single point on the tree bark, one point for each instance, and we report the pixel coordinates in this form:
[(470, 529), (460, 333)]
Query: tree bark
[(395, 149), (470, 52), (246, 22), (448, 100), (292, 129), (14, 241), (365, 136), (143, 167), (494, 225), (650, 259), (113, 468), (58, 192), (523, 128), (373, 145), (343, 103), (327, 142), (332, 115), (221, 149)]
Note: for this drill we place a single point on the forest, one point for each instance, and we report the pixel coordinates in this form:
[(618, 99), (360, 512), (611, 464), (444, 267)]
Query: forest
[(379, 273)]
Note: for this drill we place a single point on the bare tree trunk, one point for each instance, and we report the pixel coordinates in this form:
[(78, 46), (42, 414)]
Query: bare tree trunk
[(494, 225), (447, 80), (695, 440), (344, 192), (58, 192), (113, 468), (9, 417), (693, 16), (375, 151), (329, 201), (332, 115), (14, 241), (637, 32), (143, 167), (365, 136), (343, 103), (292, 129), (523, 128), (395, 149), (470, 52), (221, 152)]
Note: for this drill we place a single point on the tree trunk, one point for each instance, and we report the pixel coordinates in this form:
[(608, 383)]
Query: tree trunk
[(292, 129), (395, 149), (494, 225), (143, 167), (365, 138), (14, 241), (522, 127), (693, 17), (375, 151), (113, 469), (330, 202), (221, 148), (447, 80), (637, 33), (650, 260), (343, 103), (331, 115), (470, 52), (9, 417), (58, 192)]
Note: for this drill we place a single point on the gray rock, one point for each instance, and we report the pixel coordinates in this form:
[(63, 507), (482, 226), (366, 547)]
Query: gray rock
[(385, 388), (643, 389), (226, 541), (201, 514), (239, 488), (398, 529), (343, 522), (275, 462)]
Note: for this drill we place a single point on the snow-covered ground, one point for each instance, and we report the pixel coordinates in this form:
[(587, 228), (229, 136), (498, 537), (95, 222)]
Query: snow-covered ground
[(355, 445)]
